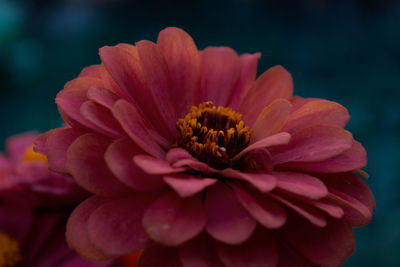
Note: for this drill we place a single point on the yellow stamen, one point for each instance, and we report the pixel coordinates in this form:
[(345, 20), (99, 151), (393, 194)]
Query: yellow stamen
[(31, 155), (213, 134), (9, 251)]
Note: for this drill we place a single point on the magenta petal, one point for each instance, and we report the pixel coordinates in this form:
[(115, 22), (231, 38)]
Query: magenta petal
[(77, 229), (195, 165), (273, 140), (262, 181), (56, 145), (259, 250), (17, 145), (183, 60), (329, 207), (311, 214), (176, 154), (354, 158), (199, 252), (93, 71), (102, 118), (321, 245), (85, 162), (155, 255), (220, 73), (227, 220), (155, 166), (188, 185), (102, 96), (315, 143), (301, 184), (116, 226), (134, 126), (119, 158), (275, 83), (263, 209), (248, 71), (171, 220)]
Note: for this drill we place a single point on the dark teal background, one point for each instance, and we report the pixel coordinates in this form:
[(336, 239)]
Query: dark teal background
[(344, 50)]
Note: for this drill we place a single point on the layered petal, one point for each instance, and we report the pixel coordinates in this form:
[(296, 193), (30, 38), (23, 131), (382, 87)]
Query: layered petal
[(188, 185)]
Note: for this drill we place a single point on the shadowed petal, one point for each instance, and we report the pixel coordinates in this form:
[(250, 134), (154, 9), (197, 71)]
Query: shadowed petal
[(116, 226), (56, 148), (171, 220), (275, 83), (320, 112), (227, 220), (153, 165), (220, 73), (102, 96), (134, 126), (188, 185), (273, 140), (263, 209), (248, 71), (271, 119), (176, 154), (119, 158), (157, 255), (328, 246), (300, 184), (77, 229), (259, 250), (195, 165), (315, 143), (85, 162), (183, 60), (262, 181)]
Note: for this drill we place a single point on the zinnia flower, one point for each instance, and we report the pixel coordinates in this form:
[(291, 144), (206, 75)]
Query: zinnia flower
[(197, 163), (34, 207)]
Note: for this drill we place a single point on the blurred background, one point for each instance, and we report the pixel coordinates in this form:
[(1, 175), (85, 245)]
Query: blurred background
[(342, 50)]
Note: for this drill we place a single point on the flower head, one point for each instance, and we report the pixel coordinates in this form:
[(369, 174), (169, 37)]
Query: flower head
[(193, 160), (34, 207)]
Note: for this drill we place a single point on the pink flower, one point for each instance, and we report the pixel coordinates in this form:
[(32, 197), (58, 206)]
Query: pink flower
[(196, 162), (34, 207)]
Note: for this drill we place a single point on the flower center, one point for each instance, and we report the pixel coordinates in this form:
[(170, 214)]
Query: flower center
[(30, 155), (213, 134), (9, 251)]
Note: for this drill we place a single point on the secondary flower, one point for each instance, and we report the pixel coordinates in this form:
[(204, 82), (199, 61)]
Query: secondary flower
[(34, 207), (196, 162)]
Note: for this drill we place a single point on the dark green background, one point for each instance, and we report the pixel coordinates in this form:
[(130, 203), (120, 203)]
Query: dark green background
[(344, 50)]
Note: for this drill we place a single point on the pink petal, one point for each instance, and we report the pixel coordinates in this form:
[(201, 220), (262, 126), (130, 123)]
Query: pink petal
[(102, 96), (134, 126), (259, 250), (227, 220), (119, 158), (17, 145), (328, 246), (39, 144), (315, 143), (220, 73), (195, 165), (77, 229), (122, 62), (116, 226), (271, 119), (183, 60), (320, 112), (157, 255), (157, 77), (248, 71), (275, 83), (85, 162), (57, 145), (352, 159), (102, 118), (171, 220), (312, 215), (332, 209), (199, 252), (273, 140), (262, 181), (91, 71), (298, 102), (155, 166), (188, 185), (300, 184), (176, 154), (263, 209)]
